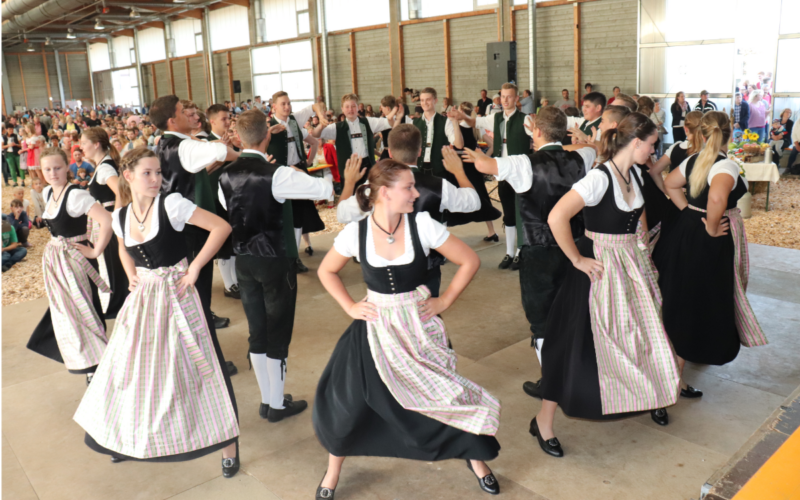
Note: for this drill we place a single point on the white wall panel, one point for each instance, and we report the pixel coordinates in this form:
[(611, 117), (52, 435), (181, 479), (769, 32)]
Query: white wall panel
[(151, 45), (98, 56), (347, 14), (122, 51), (230, 27), (183, 32), (281, 19)]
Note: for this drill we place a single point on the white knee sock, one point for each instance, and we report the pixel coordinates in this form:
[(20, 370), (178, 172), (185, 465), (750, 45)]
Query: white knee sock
[(328, 176), (511, 240), (539, 343), (259, 362), (227, 268), (298, 235), (277, 374)]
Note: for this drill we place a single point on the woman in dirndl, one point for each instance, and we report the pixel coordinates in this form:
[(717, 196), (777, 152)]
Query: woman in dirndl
[(704, 263), (73, 330), (161, 392), (609, 354), (391, 388), (104, 187)]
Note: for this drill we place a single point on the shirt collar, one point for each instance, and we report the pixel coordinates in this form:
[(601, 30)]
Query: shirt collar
[(255, 152), (557, 143), (352, 122), (507, 116), (176, 134)]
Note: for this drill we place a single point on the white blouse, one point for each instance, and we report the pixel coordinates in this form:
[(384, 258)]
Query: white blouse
[(432, 234), (722, 166), (682, 145), (79, 202), (179, 211), (595, 184)]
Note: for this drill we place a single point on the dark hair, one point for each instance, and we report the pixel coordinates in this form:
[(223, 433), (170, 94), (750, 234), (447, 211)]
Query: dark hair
[(646, 105), (633, 126), (552, 122), (215, 109), (252, 127), (389, 101), (588, 85), (163, 109), (404, 143), (617, 113), (572, 111), (384, 173), (596, 98), (204, 125), (16, 203), (99, 136), (615, 88)]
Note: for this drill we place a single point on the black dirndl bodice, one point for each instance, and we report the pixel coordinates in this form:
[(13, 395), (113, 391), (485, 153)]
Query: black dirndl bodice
[(701, 201), (606, 217), (166, 249), (393, 279), (103, 193), (63, 224)]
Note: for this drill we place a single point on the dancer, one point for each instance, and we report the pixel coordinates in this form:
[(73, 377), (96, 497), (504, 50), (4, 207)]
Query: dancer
[(390, 388), (703, 268), (511, 137), (73, 330), (104, 187), (160, 392), (593, 105), (286, 148), (540, 179), (254, 192), (607, 352), (436, 195), (438, 131)]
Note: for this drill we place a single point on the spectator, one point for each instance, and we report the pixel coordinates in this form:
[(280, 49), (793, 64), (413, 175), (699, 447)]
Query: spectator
[(447, 105), (795, 151), (589, 88), (19, 194), (37, 203), (82, 179), (362, 112), (705, 105), (776, 137), (658, 116), (13, 252), (543, 104), (616, 91), (788, 125), (565, 101), (18, 219), (93, 121), (679, 110), (496, 107), (11, 150), (483, 103), (741, 112), (758, 116), (527, 102), (80, 163)]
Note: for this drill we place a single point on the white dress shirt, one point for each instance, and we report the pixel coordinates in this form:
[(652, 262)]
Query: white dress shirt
[(516, 169), (301, 117), (487, 123), (359, 144), (198, 155), (454, 199), (448, 131), (289, 184)]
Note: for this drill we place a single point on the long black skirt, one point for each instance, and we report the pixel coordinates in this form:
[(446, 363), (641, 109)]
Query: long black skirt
[(356, 415), (306, 216), (541, 273), (569, 362), (486, 213), (117, 279), (696, 276)]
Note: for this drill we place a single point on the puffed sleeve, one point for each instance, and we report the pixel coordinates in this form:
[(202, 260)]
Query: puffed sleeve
[(592, 187), (725, 166), (346, 242), (115, 223), (79, 203), (179, 210), (432, 234)]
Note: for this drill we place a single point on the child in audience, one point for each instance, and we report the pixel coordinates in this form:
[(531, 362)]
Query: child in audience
[(13, 252), (82, 179), (38, 203), (20, 222), (19, 194), (777, 136)]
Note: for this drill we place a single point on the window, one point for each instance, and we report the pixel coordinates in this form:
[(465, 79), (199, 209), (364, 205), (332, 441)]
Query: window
[(126, 87), (790, 17), (303, 19), (349, 14), (151, 46), (133, 56), (788, 72), (198, 42), (287, 67), (230, 27), (184, 33), (98, 56)]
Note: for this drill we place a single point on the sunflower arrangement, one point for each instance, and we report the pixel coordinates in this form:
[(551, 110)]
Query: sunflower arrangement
[(747, 144)]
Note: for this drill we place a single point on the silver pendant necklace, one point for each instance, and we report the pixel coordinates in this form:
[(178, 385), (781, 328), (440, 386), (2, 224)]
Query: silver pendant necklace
[(390, 239), (141, 222)]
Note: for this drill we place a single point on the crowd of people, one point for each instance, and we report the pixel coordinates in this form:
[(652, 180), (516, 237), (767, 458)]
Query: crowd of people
[(624, 273)]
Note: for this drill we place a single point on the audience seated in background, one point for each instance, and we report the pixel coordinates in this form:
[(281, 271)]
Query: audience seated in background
[(13, 252)]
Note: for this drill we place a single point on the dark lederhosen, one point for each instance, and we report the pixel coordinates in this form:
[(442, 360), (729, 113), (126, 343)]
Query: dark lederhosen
[(487, 212), (385, 141), (306, 216), (226, 251), (355, 414), (569, 362), (344, 149), (117, 278), (43, 341), (430, 200), (696, 276), (543, 264), (517, 143), (263, 240), (435, 166)]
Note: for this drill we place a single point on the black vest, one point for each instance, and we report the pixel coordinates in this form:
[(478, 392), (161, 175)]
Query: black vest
[(468, 134), (702, 200), (103, 193), (63, 224), (606, 217), (677, 156), (280, 143), (554, 173), (393, 279), (430, 195), (166, 249), (175, 179), (438, 141), (262, 226), (344, 148)]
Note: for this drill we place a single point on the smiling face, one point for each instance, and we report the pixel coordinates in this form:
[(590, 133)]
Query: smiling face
[(508, 98), (282, 107), (350, 109), (145, 178), (54, 170), (591, 111), (428, 103), (400, 197)]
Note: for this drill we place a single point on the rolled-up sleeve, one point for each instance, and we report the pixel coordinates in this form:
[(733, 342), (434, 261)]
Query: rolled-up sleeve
[(197, 155), (517, 171), (461, 200), (289, 184)]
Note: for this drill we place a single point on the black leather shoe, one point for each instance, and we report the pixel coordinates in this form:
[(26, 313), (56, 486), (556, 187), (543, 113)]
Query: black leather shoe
[(493, 238), (301, 268), (290, 408), (506, 263), (533, 389), (488, 483), (309, 251), (691, 393), (551, 446), (220, 322), (233, 292), (89, 377), (230, 466), (324, 493), (515, 264), (116, 460), (660, 416), (263, 410), (232, 370)]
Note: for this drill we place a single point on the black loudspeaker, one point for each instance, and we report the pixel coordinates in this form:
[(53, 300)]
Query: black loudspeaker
[(237, 87)]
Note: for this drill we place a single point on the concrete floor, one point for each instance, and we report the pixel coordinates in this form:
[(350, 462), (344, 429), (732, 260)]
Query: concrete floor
[(44, 456)]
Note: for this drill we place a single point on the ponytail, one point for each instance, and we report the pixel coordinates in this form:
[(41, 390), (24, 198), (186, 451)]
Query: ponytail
[(365, 201), (608, 144), (715, 128), (695, 136)]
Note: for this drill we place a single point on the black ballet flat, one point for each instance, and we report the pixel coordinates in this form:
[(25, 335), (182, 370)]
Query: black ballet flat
[(506, 263), (230, 466), (691, 393), (309, 251), (116, 460), (488, 483), (324, 493), (660, 416), (533, 389), (551, 446), (493, 238)]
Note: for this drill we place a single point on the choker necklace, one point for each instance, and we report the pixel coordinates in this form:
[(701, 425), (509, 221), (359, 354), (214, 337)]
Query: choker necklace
[(141, 222), (390, 239), (628, 182)]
